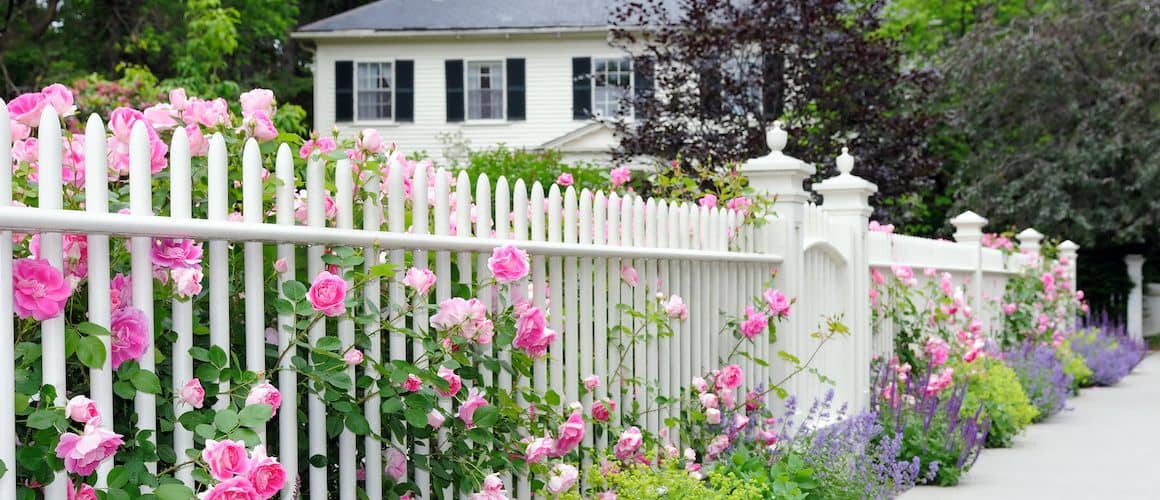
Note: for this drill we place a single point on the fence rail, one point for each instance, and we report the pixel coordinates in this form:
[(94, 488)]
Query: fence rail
[(579, 243)]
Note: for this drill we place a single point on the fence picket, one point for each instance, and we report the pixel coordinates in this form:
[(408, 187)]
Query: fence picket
[(316, 410), (584, 367), (570, 334), (287, 377), (219, 268), (347, 446), (7, 322), (180, 207), (140, 203), (419, 225), (605, 284)]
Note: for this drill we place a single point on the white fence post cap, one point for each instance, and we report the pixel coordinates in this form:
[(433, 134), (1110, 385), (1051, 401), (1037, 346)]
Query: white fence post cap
[(778, 173), (846, 193), (968, 227)]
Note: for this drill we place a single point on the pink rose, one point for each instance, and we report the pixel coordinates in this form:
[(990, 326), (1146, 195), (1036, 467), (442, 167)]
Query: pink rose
[(353, 357), (60, 98), (178, 99), (508, 264), (708, 201), (877, 227), (713, 416), (591, 382), (601, 410), (81, 409), (120, 292), (174, 253), (539, 449), (198, 144), (675, 307), (708, 400), (565, 179), (187, 280), (396, 467), (281, 266), (453, 381), (876, 277), (740, 421), (778, 303), (727, 397), (716, 447), (75, 254), (370, 140), (328, 294), (130, 335), (420, 280), (492, 489), (754, 324), (81, 491), (83, 453), (467, 409), (619, 176), (225, 459), (265, 394), (532, 333), (161, 116), (569, 434), (730, 377), (209, 114), (937, 349), (738, 204), (192, 393), (700, 385), (237, 488), (562, 478), (940, 381), (260, 127), (39, 290), (26, 108), (435, 419), (628, 443), (412, 383), (257, 101), (1009, 308), (265, 474), (628, 274), (466, 317)]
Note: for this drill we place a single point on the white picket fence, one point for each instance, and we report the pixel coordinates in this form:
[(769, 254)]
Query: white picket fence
[(578, 241)]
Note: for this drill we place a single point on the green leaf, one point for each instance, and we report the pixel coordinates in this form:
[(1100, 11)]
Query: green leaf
[(173, 491), (44, 419), (358, 424), (294, 290), (91, 352), (486, 416), (88, 328), (218, 357), (147, 382), (118, 477), (416, 417), (255, 415), (331, 344), (225, 420), (552, 398)]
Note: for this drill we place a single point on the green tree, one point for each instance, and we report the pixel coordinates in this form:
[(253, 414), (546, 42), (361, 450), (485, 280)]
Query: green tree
[(927, 27)]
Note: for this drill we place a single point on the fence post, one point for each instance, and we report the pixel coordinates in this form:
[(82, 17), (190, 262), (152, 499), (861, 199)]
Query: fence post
[(1069, 255), (1029, 240), (847, 201), (782, 176), (1136, 296), (969, 231)]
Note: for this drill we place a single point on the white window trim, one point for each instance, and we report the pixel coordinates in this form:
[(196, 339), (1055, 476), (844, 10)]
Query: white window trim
[(394, 94), (631, 88), (467, 119)]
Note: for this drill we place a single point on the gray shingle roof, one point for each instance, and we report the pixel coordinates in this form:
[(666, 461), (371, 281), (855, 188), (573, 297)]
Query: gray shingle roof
[(430, 15)]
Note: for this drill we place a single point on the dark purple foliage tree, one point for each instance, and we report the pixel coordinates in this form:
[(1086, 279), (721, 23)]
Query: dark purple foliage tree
[(724, 70)]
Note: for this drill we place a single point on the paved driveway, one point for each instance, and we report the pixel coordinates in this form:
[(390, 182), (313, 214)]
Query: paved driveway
[(1106, 447)]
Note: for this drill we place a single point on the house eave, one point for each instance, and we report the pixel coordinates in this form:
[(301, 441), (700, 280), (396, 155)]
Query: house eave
[(445, 33)]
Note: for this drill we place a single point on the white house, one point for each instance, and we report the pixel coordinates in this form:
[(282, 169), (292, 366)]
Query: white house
[(488, 71)]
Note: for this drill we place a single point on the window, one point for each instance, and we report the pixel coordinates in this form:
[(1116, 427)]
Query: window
[(611, 86), (485, 90), (373, 92)]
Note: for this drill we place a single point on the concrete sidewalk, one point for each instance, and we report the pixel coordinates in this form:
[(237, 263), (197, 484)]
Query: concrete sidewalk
[(1107, 446)]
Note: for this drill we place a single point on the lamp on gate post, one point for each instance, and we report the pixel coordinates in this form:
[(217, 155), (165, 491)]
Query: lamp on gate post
[(969, 231)]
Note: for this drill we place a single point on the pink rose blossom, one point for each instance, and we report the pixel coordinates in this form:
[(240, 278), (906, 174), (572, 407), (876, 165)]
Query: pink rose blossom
[(467, 409), (713, 416), (876, 277), (435, 419), (281, 266), (700, 385), (716, 447), (39, 290), (81, 409), (539, 449), (160, 116), (532, 333), (628, 274), (257, 101), (708, 400), (265, 394), (1009, 308), (353, 357), (675, 307), (26, 108), (178, 99), (412, 383), (508, 264), (562, 478), (468, 318), (370, 140), (730, 377), (628, 443), (83, 453), (130, 335), (937, 349), (452, 380), (738, 204), (779, 304), (174, 253), (940, 381), (708, 201), (569, 435), (328, 294), (492, 489), (198, 144), (619, 176), (265, 473), (120, 292), (80, 492), (739, 421), (876, 227), (591, 382), (187, 280), (754, 324), (235, 488), (727, 397), (192, 393), (602, 410), (421, 280), (565, 179), (396, 465), (259, 126)]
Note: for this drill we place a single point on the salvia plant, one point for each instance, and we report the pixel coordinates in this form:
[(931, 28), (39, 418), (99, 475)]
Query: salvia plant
[(1107, 350), (1040, 371)]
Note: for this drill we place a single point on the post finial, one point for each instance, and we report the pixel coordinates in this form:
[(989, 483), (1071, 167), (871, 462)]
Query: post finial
[(845, 161), (776, 137)]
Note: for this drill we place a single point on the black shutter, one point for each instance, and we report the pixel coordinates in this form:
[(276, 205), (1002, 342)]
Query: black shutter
[(343, 91), (642, 77), (454, 75), (772, 89), (404, 91), (581, 88), (516, 93), (709, 88)]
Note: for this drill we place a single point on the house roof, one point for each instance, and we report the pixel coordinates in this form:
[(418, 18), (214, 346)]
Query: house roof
[(441, 15)]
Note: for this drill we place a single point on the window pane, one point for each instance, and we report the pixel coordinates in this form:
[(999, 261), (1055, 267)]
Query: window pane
[(612, 83), (485, 90), (373, 92)]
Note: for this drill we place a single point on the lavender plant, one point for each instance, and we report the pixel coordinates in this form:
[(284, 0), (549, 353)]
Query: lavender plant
[(1040, 372), (1107, 350)]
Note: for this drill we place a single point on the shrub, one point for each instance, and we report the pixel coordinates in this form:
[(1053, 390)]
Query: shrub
[(641, 482), (533, 166), (1040, 372), (1075, 366), (1107, 353), (942, 432), (748, 473), (997, 387)]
